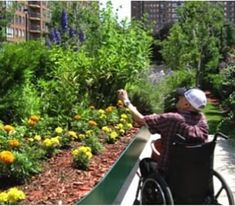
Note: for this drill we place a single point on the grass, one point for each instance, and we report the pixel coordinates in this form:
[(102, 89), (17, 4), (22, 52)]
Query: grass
[(216, 117)]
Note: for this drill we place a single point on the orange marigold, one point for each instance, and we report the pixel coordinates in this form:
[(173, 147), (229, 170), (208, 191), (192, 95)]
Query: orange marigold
[(109, 109), (77, 117), (35, 118), (14, 143), (31, 122), (7, 157), (8, 128), (92, 123), (120, 104)]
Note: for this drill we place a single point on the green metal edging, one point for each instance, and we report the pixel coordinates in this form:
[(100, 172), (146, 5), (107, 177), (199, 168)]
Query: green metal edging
[(105, 192)]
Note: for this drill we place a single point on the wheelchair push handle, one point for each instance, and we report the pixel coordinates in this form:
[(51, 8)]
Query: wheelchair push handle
[(220, 134)]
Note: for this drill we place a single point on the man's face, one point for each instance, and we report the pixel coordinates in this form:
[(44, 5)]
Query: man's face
[(182, 103)]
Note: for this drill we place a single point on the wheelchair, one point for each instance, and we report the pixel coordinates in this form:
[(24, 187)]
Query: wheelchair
[(190, 178)]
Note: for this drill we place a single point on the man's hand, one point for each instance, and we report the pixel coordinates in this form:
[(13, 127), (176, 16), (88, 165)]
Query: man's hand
[(122, 95)]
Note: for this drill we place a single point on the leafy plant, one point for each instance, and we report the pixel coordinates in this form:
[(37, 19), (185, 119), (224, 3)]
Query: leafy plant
[(95, 144), (12, 196), (81, 157)]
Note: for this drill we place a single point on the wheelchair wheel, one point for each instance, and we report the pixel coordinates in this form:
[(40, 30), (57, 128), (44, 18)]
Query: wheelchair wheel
[(222, 192), (155, 191)]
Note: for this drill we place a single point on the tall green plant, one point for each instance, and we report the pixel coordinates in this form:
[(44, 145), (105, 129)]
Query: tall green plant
[(120, 51)]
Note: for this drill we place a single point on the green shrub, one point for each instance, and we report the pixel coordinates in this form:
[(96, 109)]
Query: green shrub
[(21, 65), (158, 97)]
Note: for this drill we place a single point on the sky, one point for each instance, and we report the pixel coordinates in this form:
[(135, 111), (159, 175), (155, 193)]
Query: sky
[(124, 11)]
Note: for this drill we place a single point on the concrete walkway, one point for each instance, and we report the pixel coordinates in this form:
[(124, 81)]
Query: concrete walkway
[(224, 163)]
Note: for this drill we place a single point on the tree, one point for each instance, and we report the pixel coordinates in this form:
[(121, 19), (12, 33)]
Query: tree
[(194, 41)]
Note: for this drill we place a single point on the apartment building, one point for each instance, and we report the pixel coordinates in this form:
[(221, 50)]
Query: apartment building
[(229, 10), (161, 13), (29, 21)]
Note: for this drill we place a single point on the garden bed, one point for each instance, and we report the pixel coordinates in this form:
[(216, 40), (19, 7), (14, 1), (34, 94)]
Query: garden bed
[(59, 183)]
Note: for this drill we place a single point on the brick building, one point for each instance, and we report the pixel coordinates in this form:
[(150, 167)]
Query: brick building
[(29, 21), (164, 12)]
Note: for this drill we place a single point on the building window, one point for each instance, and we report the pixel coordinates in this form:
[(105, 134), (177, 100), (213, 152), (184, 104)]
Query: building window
[(9, 32)]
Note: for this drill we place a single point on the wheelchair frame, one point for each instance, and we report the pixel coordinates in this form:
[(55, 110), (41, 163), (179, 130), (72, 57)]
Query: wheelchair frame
[(154, 189)]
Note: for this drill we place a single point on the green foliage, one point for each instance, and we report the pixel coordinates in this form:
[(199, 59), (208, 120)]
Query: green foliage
[(95, 144), (149, 97), (81, 157), (214, 116), (22, 168), (120, 51), (21, 66), (194, 42)]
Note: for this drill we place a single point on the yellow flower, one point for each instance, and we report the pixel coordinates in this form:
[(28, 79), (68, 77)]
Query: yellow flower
[(106, 129), (72, 134), (58, 130), (120, 104), (102, 116), (8, 128), (101, 111), (3, 197), (55, 141), (122, 120), (14, 143), (14, 195), (47, 142), (77, 117), (89, 155), (119, 126), (129, 125), (81, 136), (88, 133), (7, 157), (75, 152), (122, 131), (109, 109), (124, 116), (92, 123), (113, 135), (37, 137)]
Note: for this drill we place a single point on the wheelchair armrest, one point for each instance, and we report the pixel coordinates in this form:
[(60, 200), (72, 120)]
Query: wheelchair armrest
[(154, 148), (179, 139), (220, 134)]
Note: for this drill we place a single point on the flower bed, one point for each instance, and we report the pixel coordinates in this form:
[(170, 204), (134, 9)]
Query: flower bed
[(62, 166)]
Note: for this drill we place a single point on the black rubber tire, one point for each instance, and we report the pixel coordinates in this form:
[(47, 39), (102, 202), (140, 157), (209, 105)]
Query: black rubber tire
[(162, 189), (224, 186)]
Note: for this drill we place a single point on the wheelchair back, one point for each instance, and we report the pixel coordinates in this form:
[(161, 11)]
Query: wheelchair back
[(190, 173)]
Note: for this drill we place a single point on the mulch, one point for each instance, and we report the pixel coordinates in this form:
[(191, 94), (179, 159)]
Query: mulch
[(60, 183)]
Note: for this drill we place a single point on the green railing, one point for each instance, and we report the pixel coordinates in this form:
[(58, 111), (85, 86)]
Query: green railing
[(107, 190)]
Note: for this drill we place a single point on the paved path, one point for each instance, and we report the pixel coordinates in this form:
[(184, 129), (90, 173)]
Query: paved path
[(224, 163)]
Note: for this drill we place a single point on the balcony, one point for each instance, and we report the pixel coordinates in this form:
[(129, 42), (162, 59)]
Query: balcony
[(34, 15), (35, 28), (34, 4)]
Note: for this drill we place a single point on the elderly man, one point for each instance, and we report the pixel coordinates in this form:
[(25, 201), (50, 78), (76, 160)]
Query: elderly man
[(187, 121)]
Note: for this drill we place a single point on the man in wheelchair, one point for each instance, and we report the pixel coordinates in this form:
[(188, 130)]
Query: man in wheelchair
[(187, 121), (175, 173)]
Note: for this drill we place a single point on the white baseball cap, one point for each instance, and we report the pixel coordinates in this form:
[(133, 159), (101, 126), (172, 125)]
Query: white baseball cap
[(196, 97)]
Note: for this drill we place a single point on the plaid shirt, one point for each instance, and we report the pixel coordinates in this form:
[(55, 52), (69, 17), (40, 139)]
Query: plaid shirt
[(191, 125)]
